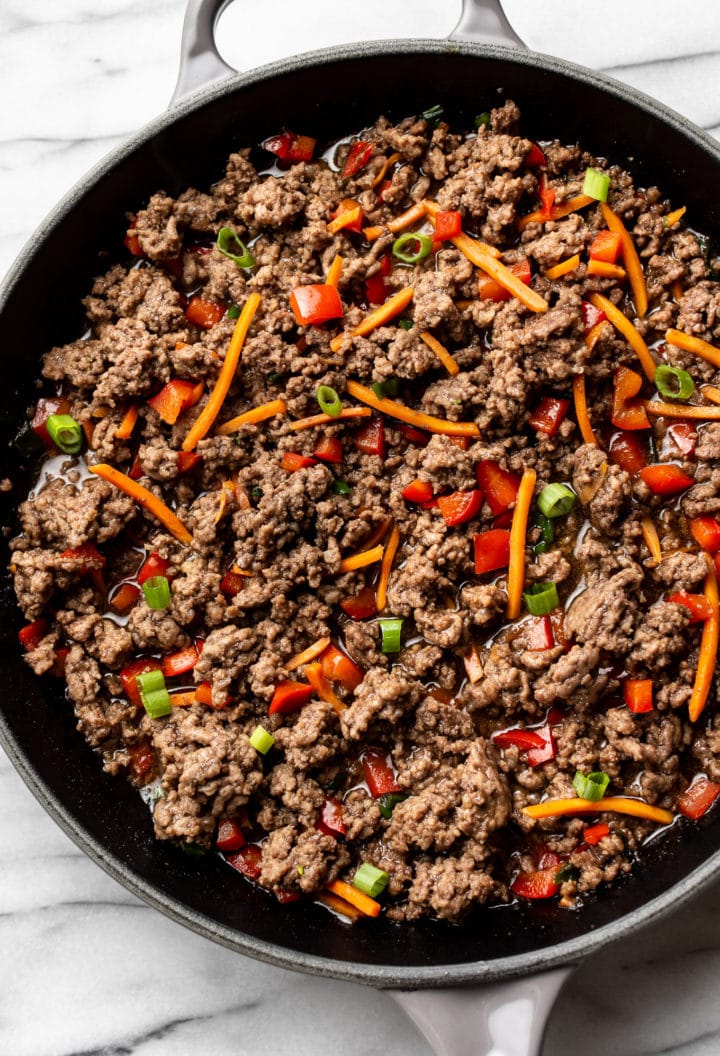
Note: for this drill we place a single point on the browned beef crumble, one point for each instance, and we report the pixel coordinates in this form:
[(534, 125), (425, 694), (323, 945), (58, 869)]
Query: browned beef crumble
[(456, 836)]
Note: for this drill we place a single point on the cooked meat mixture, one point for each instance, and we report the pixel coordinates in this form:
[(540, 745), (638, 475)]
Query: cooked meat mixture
[(382, 557)]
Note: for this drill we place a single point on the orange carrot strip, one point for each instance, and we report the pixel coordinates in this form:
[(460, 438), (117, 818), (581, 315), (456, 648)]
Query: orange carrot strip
[(631, 260), (385, 568), (339, 905), (710, 392), (477, 254), (210, 411), (184, 699), (652, 540), (103, 411), (378, 317), (323, 689), (361, 560), (124, 430), (328, 419), (463, 242), (411, 216), (144, 498), (518, 532), (440, 351), (628, 330), (594, 334), (379, 534), (708, 646), (672, 218), (308, 654), (368, 906), (660, 409), (345, 219), (389, 162), (256, 414), (227, 494), (406, 414), (563, 267), (553, 808), (696, 345), (473, 665), (603, 267), (334, 271), (581, 410), (677, 291), (557, 212)]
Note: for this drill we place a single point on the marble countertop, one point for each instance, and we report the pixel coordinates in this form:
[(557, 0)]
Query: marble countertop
[(88, 970)]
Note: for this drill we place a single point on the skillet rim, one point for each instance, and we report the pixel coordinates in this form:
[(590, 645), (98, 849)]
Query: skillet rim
[(384, 976)]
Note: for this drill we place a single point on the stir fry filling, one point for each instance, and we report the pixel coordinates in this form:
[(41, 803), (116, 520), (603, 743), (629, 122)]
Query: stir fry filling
[(378, 541)]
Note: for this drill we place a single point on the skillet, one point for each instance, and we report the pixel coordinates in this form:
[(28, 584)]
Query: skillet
[(106, 818)]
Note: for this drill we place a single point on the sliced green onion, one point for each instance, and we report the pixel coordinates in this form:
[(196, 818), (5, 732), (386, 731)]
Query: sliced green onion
[(274, 377), (329, 401), (401, 247), (230, 246), (391, 630), (406, 324), (382, 389), (673, 382), (370, 880), (256, 492), (483, 119), (556, 500), (153, 693), (542, 598), (233, 312), (541, 548), (433, 114), (591, 786), (596, 184), (547, 528), (157, 592), (566, 872), (341, 487), (194, 850), (27, 442), (388, 802), (261, 740), (65, 433)]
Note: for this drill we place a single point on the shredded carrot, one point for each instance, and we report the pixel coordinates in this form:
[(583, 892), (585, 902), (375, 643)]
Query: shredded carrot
[(308, 654), (463, 242), (88, 429), (227, 494), (553, 808), (441, 352), (368, 906), (563, 268), (387, 164), (184, 699), (518, 532), (328, 419), (406, 414), (388, 557), (379, 533), (660, 409), (144, 498), (677, 291), (672, 218), (240, 571), (361, 560), (256, 414), (323, 689), (477, 253), (629, 332), (473, 665), (710, 392), (334, 271), (378, 317), (696, 345), (652, 540), (124, 430), (708, 646), (581, 410), (557, 212), (338, 905), (631, 260), (605, 268), (103, 411), (344, 219), (210, 411), (595, 333), (412, 215)]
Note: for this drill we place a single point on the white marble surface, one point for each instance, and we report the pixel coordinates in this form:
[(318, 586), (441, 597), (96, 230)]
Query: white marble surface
[(87, 970)]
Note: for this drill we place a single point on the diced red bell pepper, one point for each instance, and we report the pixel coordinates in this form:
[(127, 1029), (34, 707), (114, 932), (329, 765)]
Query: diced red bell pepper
[(540, 884), (628, 409), (415, 436), (498, 485), (706, 532), (699, 606), (594, 833), (46, 406), (548, 859), (153, 565), (357, 158), (698, 797), (129, 674), (378, 772), (287, 146), (349, 205), (338, 667), (666, 479), (204, 695), (522, 739), (180, 663), (684, 436), (33, 633), (492, 550), (535, 157), (376, 289), (58, 666), (490, 290), (284, 896), (361, 605), (124, 598), (460, 506), (447, 225), (591, 316), (629, 450), (547, 196), (248, 861), (292, 461), (136, 469), (301, 149), (204, 314), (537, 756), (230, 836), (605, 246), (232, 583), (538, 633), (638, 694), (315, 304), (289, 697), (88, 553), (419, 491), (132, 242), (175, 398), (370, 439), (187, 460), (331, 820), (141, 759), (548, 415), (329, 449)]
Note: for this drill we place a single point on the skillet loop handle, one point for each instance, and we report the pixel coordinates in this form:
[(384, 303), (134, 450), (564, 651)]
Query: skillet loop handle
[(484, 22), (500, 1019), (200, 61)]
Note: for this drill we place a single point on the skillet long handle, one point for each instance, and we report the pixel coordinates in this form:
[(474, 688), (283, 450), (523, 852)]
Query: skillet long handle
[(485, 22), (499, 1019)]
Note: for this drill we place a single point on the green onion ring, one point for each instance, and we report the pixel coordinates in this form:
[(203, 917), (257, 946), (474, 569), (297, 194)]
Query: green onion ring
[(157, 592), (483, 119), (591, 786), (341, 487), (387, 803), (596, 184), (154, 694), (261, 740), (370, 880), (433, 113), (409, 239), (556, 500), (673, 383), (65, 433), (328, 401), (542, 598), (227, 241), (391, 630)]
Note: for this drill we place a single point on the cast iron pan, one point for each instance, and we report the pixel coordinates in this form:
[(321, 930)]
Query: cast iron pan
[(329, 94)]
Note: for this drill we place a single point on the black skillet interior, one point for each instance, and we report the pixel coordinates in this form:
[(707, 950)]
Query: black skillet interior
[(335, 95)]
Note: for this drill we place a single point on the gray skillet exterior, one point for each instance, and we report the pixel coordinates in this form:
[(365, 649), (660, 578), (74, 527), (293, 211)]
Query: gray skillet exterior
[(679, 887)]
